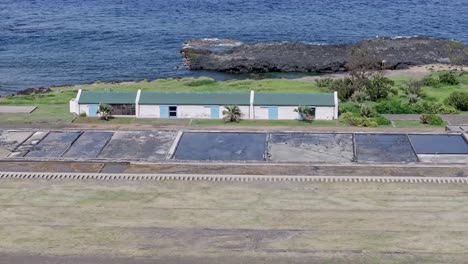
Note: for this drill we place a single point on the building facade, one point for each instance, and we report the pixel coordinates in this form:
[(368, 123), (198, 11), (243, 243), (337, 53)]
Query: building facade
[(206, 105)]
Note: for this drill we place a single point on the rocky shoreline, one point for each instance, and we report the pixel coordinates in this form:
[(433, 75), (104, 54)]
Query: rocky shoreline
[(394, 53)]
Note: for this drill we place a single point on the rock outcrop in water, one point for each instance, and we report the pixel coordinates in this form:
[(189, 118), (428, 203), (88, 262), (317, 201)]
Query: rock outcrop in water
[(396, 53)]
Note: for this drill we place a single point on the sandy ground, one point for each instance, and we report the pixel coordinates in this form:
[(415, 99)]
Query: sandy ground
[(231, 222), (415, 72)]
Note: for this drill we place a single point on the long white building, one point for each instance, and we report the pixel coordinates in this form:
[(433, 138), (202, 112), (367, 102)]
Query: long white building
[(206, 105)]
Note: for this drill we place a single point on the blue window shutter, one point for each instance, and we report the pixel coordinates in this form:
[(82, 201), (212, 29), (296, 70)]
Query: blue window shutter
[(164, 111), (273, 112), (215, 112)]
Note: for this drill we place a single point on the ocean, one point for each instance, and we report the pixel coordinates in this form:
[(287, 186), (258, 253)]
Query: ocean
[(54, 42)]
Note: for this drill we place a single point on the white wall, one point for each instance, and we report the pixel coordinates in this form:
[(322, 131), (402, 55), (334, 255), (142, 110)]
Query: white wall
[(74, 108), (260, 112), (83, 109), (200, 111), (324, 112), (149, 111), (287, 113), (193, 111)]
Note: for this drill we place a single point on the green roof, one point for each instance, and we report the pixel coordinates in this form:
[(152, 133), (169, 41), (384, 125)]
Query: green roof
[(111, 97), (207, 98), (194, 98), (294, 99)]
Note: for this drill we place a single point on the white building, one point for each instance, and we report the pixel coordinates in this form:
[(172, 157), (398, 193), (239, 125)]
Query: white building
[(206, 105)]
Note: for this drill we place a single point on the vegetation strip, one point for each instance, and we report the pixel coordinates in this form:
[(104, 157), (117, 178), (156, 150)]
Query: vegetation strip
[(241, 178)]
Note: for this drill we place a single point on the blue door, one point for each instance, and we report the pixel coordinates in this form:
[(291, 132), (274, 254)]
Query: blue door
[(215, 112), (92, 109), (164, 111), (272, 112)]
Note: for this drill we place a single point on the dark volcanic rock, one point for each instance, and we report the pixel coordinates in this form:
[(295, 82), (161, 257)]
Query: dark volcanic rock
[(34, 91), (397, 53)]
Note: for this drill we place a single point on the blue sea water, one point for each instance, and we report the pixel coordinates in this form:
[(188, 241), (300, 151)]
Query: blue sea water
[(51, 42)]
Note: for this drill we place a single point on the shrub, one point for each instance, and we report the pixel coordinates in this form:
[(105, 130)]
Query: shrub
[(360, 121), (459, 100), (366, 111), (394, 91), (448, 78), (381, 120), (394, 106), (349, 107), (326, 82), (359, 96), (378, 87), (413, 98), (431, 119), (83, 114), (413, 87), (200, 82), (431, 81), (436, 108), (104, 111), (344, 88)]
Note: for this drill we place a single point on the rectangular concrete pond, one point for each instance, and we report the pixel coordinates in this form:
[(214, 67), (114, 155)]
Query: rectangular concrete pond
[(88, 145), (439, 144), (141, 145), (221, 146), (299, 147), (384, 148), (53, 145), (10, 140)]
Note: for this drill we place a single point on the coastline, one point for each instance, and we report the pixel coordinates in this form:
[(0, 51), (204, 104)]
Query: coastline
[(419, 71)]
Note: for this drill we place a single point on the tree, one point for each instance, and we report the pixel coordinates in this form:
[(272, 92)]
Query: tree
[(378, 87), (232, 113), (362, 64), (306, 113), (104, 111)]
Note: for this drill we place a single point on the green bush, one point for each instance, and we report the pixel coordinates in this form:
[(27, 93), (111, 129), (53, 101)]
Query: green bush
[(436, 108), (431, 119), (459, 100), (360, 121), (200, 82), (359, 96), (381, 120), (448, 78), (431, 81), (378, 87), (327, 82), (83, 114), (343, 87), (366, 111), (395, 106), (414, 87), (349, 107)]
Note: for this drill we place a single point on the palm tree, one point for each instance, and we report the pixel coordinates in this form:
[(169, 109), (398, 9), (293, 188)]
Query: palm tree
[(232, 113), (305, 112), (104, 111)]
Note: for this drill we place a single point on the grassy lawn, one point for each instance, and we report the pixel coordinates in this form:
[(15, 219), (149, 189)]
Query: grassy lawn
[(296, 221), (131, 120), (44, 114), (413, 123), (268, 123)]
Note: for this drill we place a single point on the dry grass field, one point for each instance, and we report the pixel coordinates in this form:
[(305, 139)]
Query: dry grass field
[(232, 222)]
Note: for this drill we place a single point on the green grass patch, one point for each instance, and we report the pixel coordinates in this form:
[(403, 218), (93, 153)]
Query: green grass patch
[(131, 120), (414, 123), (201, 122), (46, 114)]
